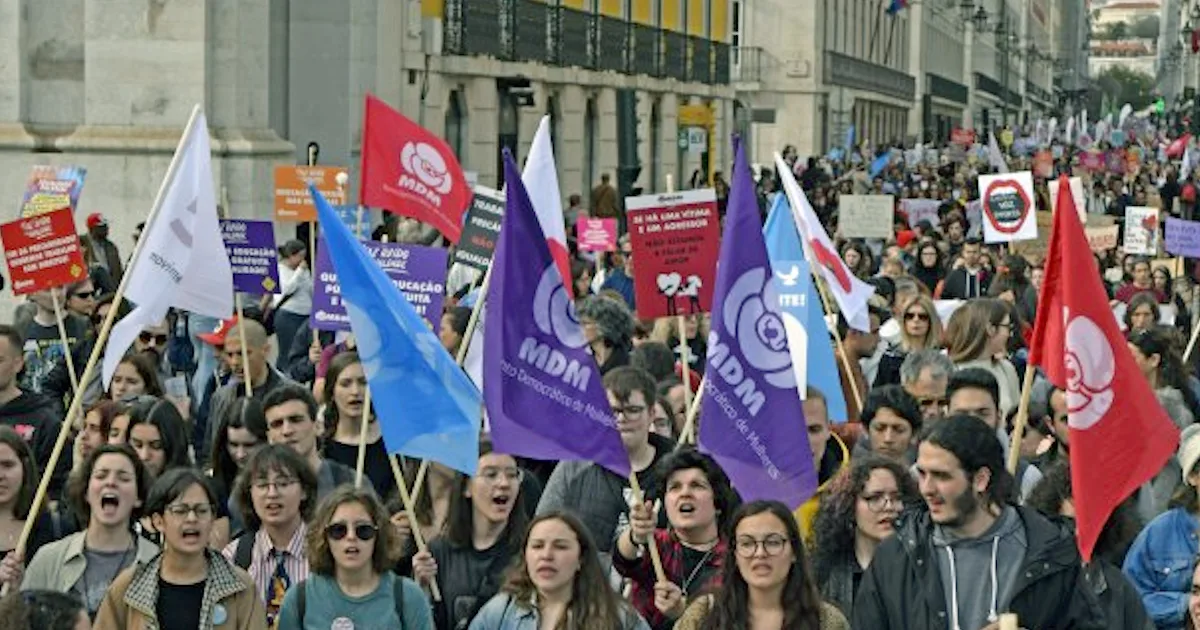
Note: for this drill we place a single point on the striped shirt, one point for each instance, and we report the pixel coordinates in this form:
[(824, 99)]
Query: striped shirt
[(264, 560)]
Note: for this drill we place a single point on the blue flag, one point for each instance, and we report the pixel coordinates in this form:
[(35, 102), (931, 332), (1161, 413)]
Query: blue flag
[(849, 144), (752, 419), (879, 163), (785, 251), (541, 386), (426, 405)]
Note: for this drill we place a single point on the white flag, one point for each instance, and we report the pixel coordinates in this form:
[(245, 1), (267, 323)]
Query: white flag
[(181, 261), (851, 293), (995, 157)]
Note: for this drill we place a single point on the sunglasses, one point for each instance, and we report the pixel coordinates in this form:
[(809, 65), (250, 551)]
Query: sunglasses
[(362, 531), (921, 317), (146, 337), (83, 295)]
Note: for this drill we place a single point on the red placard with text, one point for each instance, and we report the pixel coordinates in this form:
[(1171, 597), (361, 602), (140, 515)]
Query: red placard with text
[(675, 239), (962, 137), (42, 252)]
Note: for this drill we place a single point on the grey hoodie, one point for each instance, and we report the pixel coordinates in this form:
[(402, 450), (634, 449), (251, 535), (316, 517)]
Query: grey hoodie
[(980, 574)]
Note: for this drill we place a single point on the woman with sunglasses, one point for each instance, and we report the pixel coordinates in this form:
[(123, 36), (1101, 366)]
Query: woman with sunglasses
[(187, 586), (868, 497), (345, 393), (351, 550), (557, 582), (81, 298), (483, 532), (767, 581), (920, 329), (107, 491)]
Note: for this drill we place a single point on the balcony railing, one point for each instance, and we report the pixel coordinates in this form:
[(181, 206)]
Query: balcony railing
[(748, 63), (539, 32)]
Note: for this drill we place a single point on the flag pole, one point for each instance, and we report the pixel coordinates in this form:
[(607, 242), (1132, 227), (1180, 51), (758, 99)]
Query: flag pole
[(1187, 354), (410, 509), (101, 339), (1014, 445), (364, 421), (62, 334), (684, 351), (687, 435), (837, 337), (313, 150), (651, 544), (237, 300)]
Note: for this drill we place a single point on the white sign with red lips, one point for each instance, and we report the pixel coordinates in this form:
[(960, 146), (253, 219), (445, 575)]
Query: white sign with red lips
[(1008, 207)]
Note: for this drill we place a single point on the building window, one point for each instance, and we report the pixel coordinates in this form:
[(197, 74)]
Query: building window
[(655, 143), (552, 112), (589, 144), (456, 123), (735, 30)]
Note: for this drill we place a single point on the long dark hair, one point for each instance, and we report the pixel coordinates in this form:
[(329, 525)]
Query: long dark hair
[(800, 600), (1122, 526), (147, 371), (337, 365), (1165, 341), (834, 528), (172, 430), (460, 519), (23, 504), (245, 413)]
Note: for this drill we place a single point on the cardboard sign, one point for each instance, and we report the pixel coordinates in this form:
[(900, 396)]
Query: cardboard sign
[(481, 229), (866, 216), (1091, 160), (1183, 237), (292, 201), (919, 210), (1141, 230), (42, 252), (962, 137), (52, 187), (1076, 193), (419, 272), (596, 235), (1008, 207), (1043, 164), (675, 239), (252, 255), (1102, 239), (1036, 248)]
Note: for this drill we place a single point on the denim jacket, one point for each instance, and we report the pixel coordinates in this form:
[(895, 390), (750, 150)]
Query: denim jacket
[(1160, 564), (502, 612)]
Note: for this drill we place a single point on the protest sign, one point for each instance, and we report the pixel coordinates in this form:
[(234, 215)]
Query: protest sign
[(1114, 161), (1183, 237), (1076, 193), (1035, 248), (1102, 239), (252, 255), (42, 252), (1043, 164), (866, 216), (1091, 160), (1008, 207), (419, 272), (52, 187), (596, 235), (675, 239), (962, 137), (292, 201), (1141, 230), (918, 210), (482, 227)]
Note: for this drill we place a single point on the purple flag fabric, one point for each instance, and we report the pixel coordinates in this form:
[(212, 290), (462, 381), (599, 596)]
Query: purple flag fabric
[(541, 388), (752, 422)]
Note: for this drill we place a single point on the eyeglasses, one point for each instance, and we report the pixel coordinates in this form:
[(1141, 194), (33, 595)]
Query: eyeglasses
[(629, 410), (491, 474), (280, 484), (362, 531), (181, 510), (83, 295), (913, 316), (159, 340), (773, 545), (877, 502)]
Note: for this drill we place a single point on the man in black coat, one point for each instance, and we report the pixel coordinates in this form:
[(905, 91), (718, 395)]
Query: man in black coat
[(969, 280), (971, 555)]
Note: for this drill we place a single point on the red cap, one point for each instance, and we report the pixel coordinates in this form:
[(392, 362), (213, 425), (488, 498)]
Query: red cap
[(217, 337), (95, 219), (904, 237)]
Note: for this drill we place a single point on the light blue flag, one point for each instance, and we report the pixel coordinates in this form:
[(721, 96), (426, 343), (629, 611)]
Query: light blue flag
[(880, 163), (787, 261), (426, 405), (849, 144)]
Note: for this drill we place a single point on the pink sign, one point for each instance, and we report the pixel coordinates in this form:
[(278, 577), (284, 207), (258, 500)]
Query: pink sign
[(596, 235), (1091, 160)]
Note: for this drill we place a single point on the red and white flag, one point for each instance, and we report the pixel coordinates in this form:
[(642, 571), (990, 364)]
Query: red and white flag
[(1120, 434), (409, 171), (851, 293), (541, 180)]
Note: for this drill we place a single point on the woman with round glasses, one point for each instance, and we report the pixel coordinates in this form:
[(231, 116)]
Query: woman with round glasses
[(351, 549), (857, 513), (767, 581), (557, 582), (188, 585)]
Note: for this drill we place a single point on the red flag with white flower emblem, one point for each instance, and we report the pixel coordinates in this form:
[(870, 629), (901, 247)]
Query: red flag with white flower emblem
[(1120, 436), (411, 172)]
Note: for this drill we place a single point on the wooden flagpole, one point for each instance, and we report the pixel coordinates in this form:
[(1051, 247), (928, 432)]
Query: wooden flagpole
[(66, 344), (410, 509)]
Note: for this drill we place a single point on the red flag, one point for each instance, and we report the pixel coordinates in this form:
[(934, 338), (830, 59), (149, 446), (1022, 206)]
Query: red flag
[(409, 171), (1120, 434)]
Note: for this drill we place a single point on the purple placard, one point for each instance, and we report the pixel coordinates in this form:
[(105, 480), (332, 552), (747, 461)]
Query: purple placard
[(1183, 237), (252, 255), (419, 272)]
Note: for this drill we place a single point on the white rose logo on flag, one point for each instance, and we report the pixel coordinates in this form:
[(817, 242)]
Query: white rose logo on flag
[(751, 314), (1090, 372), (424, 162), (553, 311)]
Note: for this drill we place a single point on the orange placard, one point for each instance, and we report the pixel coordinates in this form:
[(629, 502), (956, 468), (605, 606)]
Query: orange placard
[(292, 201)]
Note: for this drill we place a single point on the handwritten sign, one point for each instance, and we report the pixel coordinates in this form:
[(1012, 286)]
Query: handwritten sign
[(866, 216), (1183, 237), (675, 239), (51, 188), (596, 235), (292, 199), (42, 252), (419, 272), (252, 255), (918, 210), (1102, 239), (1141, 230), (481, 229)]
